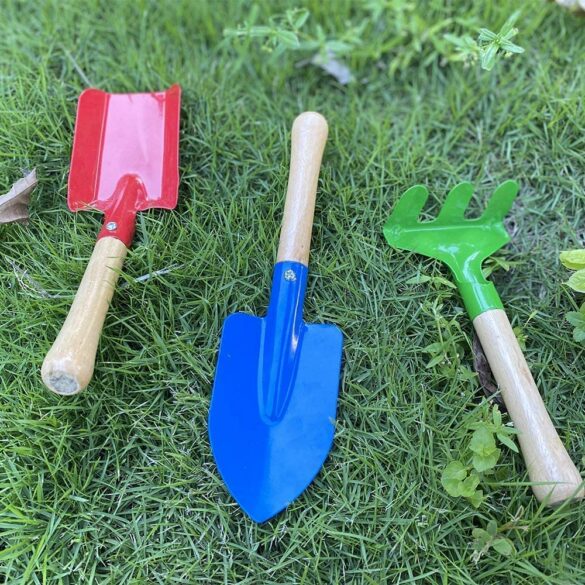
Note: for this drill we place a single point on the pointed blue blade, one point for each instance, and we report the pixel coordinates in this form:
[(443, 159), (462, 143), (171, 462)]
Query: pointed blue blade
[(271, 421)]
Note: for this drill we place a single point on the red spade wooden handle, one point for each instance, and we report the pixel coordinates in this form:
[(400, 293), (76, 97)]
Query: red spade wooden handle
[(68, 367), (309, 135)]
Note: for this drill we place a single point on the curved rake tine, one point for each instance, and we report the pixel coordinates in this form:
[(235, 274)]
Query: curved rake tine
[(501, 201), (457, 202), (409, 206)]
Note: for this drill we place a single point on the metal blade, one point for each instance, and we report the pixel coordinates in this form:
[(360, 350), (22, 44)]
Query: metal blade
[(272, 413), (267, 463), (121, 138)]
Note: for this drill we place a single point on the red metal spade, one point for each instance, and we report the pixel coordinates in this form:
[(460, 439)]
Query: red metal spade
[(125, 160)]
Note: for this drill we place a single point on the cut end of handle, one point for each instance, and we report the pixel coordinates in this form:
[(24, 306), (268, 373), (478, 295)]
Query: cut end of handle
[(65, 374), (61, 382)]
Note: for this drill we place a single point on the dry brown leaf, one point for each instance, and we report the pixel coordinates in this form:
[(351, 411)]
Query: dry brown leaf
[(334, 66), (14, 205), (484, 373)]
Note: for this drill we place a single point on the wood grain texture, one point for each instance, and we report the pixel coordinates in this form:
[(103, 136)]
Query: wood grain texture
[(68, 367), (309, 135), (550, 468)]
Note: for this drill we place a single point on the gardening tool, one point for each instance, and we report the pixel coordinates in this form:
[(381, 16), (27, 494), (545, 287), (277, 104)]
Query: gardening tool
[(124, 160), (271, 420), (463, 244)]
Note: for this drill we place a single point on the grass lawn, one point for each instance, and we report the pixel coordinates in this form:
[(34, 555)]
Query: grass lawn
[(118, 484)]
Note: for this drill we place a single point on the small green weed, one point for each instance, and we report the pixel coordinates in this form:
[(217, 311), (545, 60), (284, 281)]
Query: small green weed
[(435, 281), (489, 45), (446, 353), (408, 36), (462, 477), (575, 260), (498, 261), (283, 33), (491, 538)]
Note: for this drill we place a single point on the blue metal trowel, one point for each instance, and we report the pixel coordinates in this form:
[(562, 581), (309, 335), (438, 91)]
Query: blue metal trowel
[(271, 420)]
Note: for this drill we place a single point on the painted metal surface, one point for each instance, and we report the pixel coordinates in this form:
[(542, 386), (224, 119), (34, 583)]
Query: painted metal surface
[(125, 156), (462, 243), (271, 420)]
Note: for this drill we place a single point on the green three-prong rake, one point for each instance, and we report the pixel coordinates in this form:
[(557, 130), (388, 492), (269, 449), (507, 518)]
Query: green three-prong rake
[(463, 244)]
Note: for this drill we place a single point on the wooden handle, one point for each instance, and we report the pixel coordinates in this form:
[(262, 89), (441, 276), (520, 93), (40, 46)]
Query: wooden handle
[(546, 458), (68, 367), (309, 134)]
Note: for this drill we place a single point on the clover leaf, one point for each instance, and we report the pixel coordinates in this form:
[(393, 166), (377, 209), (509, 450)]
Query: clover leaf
[(573, 259)]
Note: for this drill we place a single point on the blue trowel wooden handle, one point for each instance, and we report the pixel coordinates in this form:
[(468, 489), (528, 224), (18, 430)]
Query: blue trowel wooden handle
[(309, 134)]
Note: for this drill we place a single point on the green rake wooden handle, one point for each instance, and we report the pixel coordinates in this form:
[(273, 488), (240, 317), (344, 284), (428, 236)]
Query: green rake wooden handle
[(552, 472)]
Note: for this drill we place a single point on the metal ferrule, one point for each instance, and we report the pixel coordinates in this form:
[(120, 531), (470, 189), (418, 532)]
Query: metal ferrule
[(479, 297)]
